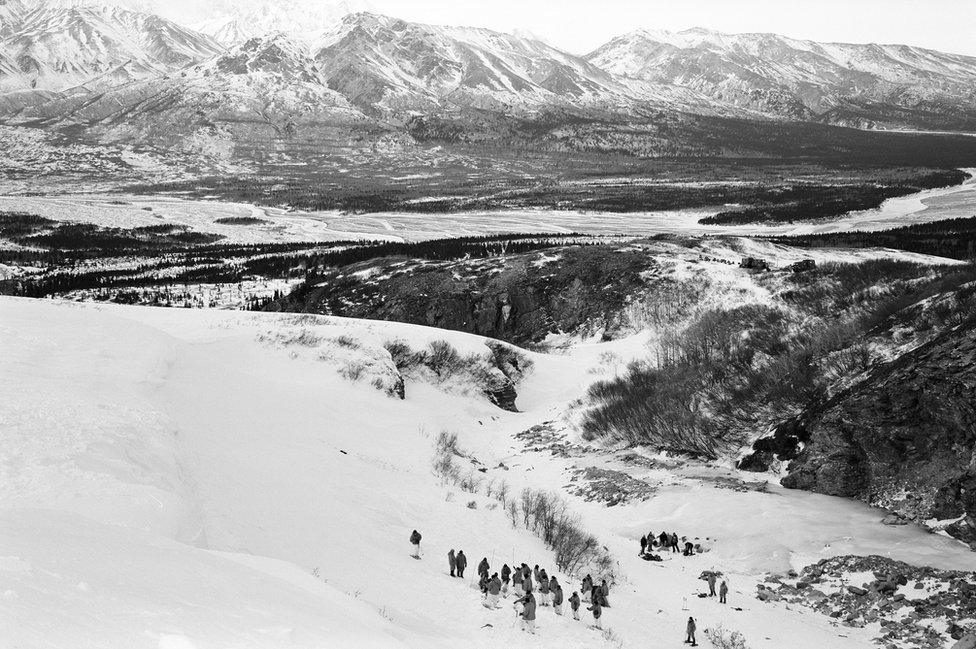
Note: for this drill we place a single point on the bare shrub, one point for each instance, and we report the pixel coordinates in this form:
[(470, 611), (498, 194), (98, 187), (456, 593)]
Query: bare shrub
[(353, 371), (443, 359), (346, 341), (722, 638)]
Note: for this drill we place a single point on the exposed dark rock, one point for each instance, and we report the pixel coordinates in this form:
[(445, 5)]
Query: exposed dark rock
[(904, 438)]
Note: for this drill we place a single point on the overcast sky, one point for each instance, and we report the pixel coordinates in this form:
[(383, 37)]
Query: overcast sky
[(581, 25)]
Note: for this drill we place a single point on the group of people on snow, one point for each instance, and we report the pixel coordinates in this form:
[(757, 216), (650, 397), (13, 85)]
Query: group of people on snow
[(526, 583), (665, 542)]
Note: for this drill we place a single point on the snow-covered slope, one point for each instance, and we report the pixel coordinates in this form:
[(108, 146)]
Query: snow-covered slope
[(796, 78), (176, 478), (58, 47)]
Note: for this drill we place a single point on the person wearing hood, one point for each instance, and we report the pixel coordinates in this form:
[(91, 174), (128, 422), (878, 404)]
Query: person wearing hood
[(494, 591), (557, 598), (643, 543), (690, 632), (506, 577), (452, 561), (574, 604), (528, 612), (604, 594), (535, 573), (517, 582), (597, 613), (711, 584), (527, 581), (415, 544), (462, 563), (723, 590), (587, 587), (483, 566), (543, 588)]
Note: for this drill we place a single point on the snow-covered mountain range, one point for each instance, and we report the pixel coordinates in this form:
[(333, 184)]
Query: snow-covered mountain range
[(73, 61)]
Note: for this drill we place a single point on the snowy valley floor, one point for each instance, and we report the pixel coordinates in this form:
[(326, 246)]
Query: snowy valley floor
[(181, 479)]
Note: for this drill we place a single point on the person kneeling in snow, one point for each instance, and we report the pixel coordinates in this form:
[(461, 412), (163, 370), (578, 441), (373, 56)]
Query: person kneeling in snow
[(528, 612), (415, 542)]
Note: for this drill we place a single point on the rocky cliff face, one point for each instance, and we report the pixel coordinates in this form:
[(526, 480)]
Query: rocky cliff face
[(904, 439)]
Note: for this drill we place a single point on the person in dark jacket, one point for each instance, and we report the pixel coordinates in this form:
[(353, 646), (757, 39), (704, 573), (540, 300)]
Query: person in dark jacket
[(574, 604), (597, 614), (587, 587), (665, 540), (643, 542), (674, 542), (415, 542), (604, 594), (557, 598), (506, 577), (528, 612), (711, 584), (452, 561), (483, 566), (535, 573), (543, 588), (689, 549), (483, 585), (527, 582), (494, 591), (723, 590), (690, 632), (517, 582), (462, 563)]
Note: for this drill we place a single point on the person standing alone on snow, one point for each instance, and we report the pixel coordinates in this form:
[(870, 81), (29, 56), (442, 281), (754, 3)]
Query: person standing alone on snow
[(690, 629), (643, 543), (723, 590), (462, 563), (452, 561), (415, 542)]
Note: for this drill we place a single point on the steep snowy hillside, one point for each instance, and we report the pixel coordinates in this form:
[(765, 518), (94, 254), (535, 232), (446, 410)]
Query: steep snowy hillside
[(60, 47), (265, 88), (177, 478), (383, 62), (804, 79)]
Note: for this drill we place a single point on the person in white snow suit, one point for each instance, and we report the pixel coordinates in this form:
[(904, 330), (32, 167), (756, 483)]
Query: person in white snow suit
[(597, 614), (462, 563), (415, 542), (574, 604), (723, 590), (557, 598), (494, 590), (452, 561), (690, 632), (528, 613), (506, 576)]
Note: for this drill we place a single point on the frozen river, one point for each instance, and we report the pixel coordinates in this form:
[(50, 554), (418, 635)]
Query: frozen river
[(279, 225)]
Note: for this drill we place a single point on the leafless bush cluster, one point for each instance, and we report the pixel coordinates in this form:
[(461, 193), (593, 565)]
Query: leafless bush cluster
[(543, 513), (722, 638)]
